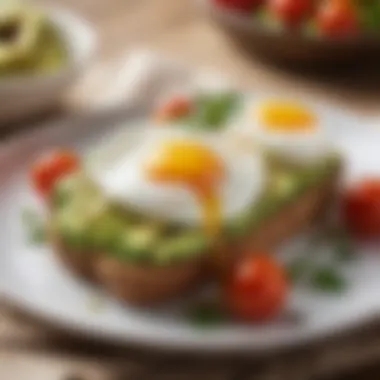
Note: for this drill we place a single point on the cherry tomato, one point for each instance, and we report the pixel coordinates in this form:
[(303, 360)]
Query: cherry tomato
[(240, 5), (46, 171), (337, 18), (257, 289), (361, 209), (291, 12), (175, 108)]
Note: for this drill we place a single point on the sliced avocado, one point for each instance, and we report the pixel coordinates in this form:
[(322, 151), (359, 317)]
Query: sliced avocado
[(72, 229), (74, 187), (283, 184), (80, 221), (184, 246)]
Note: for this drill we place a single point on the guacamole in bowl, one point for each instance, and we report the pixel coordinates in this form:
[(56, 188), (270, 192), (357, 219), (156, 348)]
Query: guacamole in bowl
[(42, 54), (30, 44)]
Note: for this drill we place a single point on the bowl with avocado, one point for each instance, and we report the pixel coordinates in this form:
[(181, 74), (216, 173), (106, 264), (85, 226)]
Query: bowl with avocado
[(42, 52), (143, 261)]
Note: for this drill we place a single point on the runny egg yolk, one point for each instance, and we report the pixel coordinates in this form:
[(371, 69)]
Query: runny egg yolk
[(286, 117), (195, 167)]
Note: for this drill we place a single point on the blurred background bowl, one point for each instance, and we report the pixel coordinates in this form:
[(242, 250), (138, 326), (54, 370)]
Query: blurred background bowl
[(290, 48), (22, 97)]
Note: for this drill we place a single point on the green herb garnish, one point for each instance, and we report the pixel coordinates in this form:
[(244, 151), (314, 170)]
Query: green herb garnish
[(36, 231), (212, 111), (328, 279), (206, 315)]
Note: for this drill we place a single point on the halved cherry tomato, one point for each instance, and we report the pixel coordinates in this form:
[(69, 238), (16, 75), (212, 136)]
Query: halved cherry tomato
[(361, 209), (47, 170), (175, 108), (337, 18), (291, 12), (240, 5), (257, 289)]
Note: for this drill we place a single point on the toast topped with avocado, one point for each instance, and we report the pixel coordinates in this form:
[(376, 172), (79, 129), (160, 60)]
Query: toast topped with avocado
[(144, 260), (147, 222)]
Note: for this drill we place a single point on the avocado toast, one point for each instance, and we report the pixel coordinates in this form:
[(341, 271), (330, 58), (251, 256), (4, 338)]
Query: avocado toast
[(143, 261)]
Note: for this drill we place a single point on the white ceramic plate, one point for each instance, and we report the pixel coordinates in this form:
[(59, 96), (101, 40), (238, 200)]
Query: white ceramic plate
[(32, 279)]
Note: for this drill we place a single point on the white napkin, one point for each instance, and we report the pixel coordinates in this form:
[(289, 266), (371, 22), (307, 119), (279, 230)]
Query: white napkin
[(143, 77)]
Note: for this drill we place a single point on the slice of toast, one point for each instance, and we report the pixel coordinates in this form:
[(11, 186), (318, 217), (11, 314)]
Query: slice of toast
[(142, 284)]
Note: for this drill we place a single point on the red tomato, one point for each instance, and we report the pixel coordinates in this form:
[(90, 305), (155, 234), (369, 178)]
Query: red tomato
[(337, 18), (257, 289), (291, 12), (175, 108), (361, 209), (46, 171), (240, 5)]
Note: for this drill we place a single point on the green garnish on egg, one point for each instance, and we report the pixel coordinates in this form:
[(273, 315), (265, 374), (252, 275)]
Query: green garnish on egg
[(212, 110)]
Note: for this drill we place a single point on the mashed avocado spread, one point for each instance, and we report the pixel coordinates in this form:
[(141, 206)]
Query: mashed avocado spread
[(86, 221)]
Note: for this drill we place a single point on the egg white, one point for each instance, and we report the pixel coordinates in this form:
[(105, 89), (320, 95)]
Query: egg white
[(302, 147), (123, 180)]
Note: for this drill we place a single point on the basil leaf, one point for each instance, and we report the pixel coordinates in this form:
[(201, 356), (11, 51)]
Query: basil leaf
[(212, 111)]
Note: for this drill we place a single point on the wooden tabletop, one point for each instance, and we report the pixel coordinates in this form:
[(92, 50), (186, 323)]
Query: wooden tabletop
[(176, 27), (180, 29)]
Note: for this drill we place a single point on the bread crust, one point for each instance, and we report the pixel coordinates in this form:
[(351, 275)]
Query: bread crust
[(134, 283), (79, 263), (145, 285)]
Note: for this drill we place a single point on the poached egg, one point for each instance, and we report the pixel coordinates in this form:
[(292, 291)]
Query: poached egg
[(182, 177)]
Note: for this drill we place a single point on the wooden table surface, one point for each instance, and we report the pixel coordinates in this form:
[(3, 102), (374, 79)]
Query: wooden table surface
[(179, 28), (28, 351)]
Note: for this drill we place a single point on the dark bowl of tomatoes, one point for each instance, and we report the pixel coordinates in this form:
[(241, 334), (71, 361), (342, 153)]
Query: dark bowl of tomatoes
[(302, 31)]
